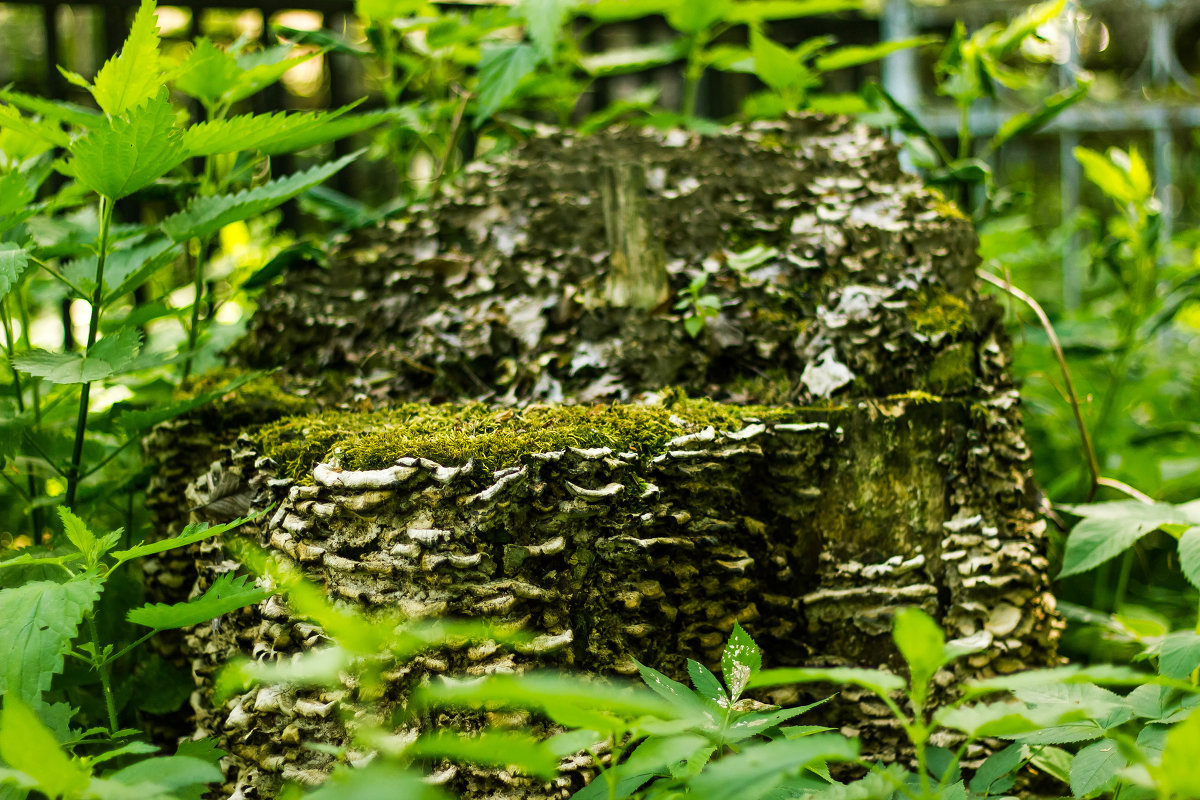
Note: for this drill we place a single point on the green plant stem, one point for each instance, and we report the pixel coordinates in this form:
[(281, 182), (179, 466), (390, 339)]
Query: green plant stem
[(692, 74), (127, 648), (108, 458), (197, 265), (19, 394), (73, 472), (101, 667)]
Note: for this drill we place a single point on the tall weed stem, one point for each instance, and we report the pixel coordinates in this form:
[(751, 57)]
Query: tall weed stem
[(73, 473)]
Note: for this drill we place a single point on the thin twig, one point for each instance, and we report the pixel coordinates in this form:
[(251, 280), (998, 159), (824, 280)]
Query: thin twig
[(1073, 399), (1124, 488), (451, 143)]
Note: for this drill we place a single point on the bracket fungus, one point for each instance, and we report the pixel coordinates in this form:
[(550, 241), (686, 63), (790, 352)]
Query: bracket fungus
[(463, 424)]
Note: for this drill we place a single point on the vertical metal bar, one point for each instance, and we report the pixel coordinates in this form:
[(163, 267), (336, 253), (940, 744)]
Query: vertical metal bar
[(899, 69), (1164, 146), (1070, 177), (55, 86)]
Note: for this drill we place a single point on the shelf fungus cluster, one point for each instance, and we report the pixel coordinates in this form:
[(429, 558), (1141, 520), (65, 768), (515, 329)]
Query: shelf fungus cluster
[(493, 409)]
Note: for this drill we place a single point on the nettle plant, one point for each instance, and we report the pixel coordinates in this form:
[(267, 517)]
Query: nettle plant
[(40, 749)]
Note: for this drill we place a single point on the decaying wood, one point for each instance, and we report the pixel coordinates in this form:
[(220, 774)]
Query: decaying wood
[(888, 467)]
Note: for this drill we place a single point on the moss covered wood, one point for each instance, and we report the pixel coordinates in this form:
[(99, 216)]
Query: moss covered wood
[(841, 440)]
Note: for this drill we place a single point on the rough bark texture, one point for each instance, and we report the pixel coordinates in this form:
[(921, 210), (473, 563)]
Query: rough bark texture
[(883, 466)]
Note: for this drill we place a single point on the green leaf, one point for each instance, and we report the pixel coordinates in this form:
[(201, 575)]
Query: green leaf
[(170, 776), (11, 119), (672, 691), (766, 10), (694, 16), (1025, 123), (13, 261), (227, 593), (776, 66), (58, 110), (623, 60), (1177, 775), (110, 356), (379, 780), (1005, 41), (756, 770), (1179, 655), (740, 661), (207, 215), (1011, 719), (318, 667), (134, 76), (1109, 529), (760, 721), (207, 73), (276, 133), (195, 532), (705, 682), (499, 748), (261, 69), (501, 70), (922, 643), (569, 700), (84, 540), (1102, 674), (1189, 540), (544, 23), (1111, 180), (856, 55), (37, 623), (998, 773), (880, 682), (28, 745), (133, 421), (119, 158), (1094, 766)]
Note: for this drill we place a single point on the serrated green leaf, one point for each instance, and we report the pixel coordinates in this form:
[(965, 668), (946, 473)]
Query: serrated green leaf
[(759, 721), (776, 66), (1102, 674), (227, 593), (77, 532), (1094, 766), (1012, 719), (880, 682), (12, 119), (1189, 540), (15, 196), (207, 73), (168, 776), (544, 23), (28, 745), (207, 215), (60, 110), (124, 269), (1177, 775), (705, 682), (756, 770), (119, 158), (493, 747), (1109, 529), (13, 261), (1179, 655), (134, 75), (765, 10), (110, 356), (37, 623), (195, 532), (335, 126), (267, 132), (672, 691), (501, 70), (856, 55), (1030, 122), (261, 69), (740, 661)]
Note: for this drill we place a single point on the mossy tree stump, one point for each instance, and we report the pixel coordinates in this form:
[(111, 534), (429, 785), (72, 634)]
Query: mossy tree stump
[(860, 449)]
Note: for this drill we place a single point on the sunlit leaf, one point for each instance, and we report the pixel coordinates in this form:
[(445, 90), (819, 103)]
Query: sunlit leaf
[(1109, 529), (119, 158), (501, 70), (13, 261), (134, 75), (110, 356), (227, 593), (1094, 766), (28, 745)]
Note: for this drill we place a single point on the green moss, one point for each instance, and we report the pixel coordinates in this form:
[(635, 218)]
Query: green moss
[(952, 369), (452, 434), (946, 207), (937, 311)]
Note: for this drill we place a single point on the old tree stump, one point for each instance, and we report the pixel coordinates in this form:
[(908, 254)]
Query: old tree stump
[(841, 439)]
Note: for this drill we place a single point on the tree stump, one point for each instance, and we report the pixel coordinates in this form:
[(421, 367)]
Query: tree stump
[(495, 430)]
